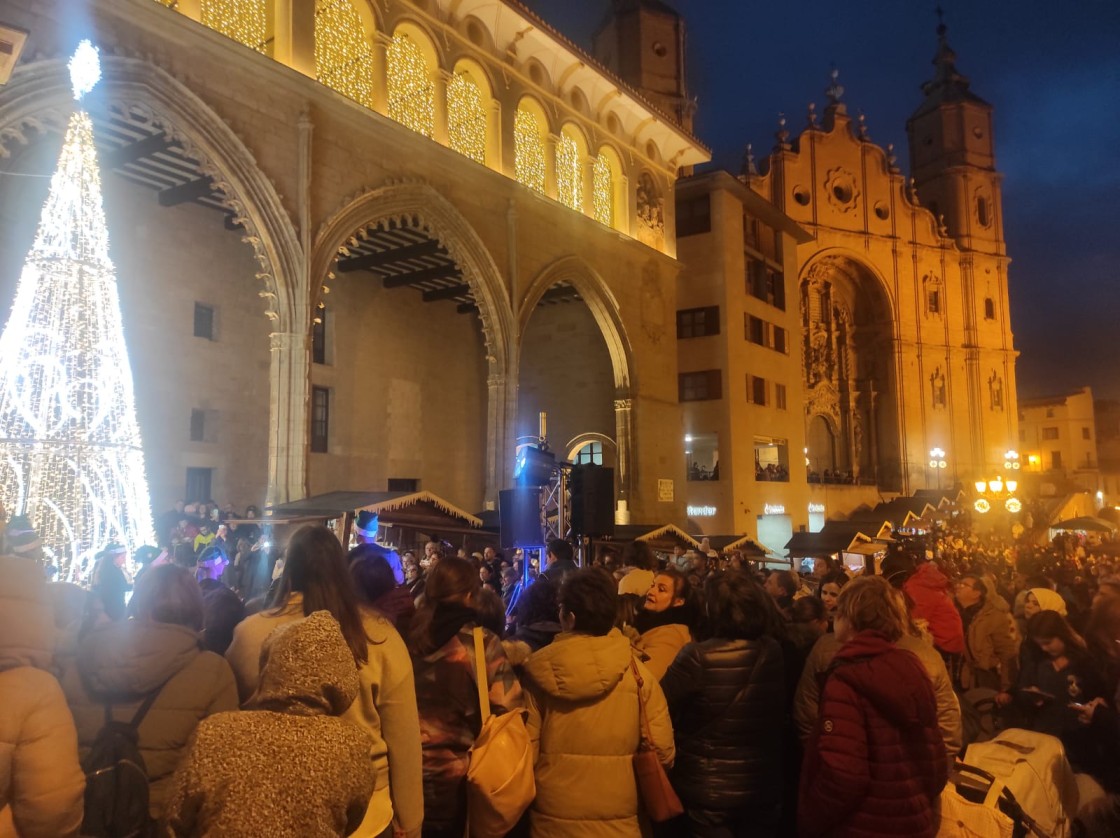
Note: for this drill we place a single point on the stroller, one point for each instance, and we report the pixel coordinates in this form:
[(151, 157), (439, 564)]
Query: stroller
[(976, 804)]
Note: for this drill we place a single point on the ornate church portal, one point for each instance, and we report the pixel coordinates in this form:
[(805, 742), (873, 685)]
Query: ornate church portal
[(850, 381)]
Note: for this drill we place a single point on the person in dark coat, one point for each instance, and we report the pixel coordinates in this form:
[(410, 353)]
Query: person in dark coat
[(726, 697), (876, 762), (109, 584)]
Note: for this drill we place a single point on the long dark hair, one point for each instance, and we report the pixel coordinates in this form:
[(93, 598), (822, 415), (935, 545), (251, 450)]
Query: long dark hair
[(315, 566), (1049, 624), (451, 580), (737, 606)]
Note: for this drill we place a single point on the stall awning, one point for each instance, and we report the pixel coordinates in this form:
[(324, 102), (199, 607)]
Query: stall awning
[(664, 537), (417, 510), (837, 537), (743, 543)]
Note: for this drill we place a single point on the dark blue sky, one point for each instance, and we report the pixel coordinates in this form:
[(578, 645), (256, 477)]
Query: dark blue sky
[(1052, 71)]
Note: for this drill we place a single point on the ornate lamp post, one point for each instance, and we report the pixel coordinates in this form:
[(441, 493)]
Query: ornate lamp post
[(937, 462), (996, 491)]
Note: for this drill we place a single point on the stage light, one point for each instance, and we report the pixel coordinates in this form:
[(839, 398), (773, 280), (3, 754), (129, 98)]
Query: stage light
[(534, 466)]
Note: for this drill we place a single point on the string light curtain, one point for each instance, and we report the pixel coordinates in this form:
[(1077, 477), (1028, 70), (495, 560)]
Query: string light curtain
[(528, 150), (466, 117), (569, 173), (411, 90), (70, 450), (343, 56), (603, 190), (243, 20)]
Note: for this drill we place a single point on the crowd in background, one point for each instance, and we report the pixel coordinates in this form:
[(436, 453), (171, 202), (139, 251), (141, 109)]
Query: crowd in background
[(326, 692)]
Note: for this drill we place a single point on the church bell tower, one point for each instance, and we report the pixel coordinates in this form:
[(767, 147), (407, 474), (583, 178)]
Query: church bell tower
[(952, 156)]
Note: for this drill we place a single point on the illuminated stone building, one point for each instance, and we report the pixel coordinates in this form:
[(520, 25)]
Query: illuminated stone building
[(361, 245), (905, 330)]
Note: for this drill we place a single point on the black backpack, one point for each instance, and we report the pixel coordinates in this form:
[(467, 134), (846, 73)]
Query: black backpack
[(116, 799)]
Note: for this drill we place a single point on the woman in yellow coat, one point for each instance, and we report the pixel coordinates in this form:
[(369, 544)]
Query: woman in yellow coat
[(665, 621), (582, 696)]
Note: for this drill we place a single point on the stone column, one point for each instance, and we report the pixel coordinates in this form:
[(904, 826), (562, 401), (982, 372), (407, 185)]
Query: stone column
[(550, 143), (496, 387), (624, 446), (190, 8), (294, 35), (379, 44), (288, 429), (439, 80)]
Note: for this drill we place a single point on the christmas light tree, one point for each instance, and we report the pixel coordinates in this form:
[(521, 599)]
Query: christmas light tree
[(70, 451)]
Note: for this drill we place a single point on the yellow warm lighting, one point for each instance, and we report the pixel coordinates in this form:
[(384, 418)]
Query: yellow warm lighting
[(411, 91), (982, 506), (569, 173), (528, 151), (1013, 505), (603, 190), (466, 118), (343, 57), (981, 486), (995, 485), (1011, 485), (243, 20)]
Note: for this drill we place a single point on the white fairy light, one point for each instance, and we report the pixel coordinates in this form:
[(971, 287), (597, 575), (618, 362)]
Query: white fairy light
[(85, 69), (70, 449)]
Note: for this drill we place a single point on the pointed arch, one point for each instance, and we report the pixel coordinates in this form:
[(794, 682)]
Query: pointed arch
[(43, 88), (604, 308), (440, 217)]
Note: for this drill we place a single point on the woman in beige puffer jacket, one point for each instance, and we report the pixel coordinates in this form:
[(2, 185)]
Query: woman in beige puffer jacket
[(41, 783), (582, 695)]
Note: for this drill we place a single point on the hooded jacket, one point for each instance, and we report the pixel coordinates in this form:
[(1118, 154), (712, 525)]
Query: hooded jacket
[(990, 643), (662, 635), (876, 763), (287, 766), (582, 698), (932, 601), (121, 663), (727, 700), (41, 783)]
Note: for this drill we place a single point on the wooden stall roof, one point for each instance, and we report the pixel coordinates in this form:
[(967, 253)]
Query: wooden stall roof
[(419, 510), (744, 543), (837, 537), (665, 536)]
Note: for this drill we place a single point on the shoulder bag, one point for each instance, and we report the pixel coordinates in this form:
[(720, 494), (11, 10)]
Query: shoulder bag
[(500, 782), (660, 801)]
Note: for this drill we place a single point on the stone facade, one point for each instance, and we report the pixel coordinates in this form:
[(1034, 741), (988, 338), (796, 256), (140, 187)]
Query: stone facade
[(416, 390)]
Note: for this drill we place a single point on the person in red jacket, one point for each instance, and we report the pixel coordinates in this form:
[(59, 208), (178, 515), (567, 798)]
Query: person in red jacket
[(930, 596), (876, 762)]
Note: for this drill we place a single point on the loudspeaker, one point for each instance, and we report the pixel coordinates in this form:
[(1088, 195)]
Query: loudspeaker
[(519, 515), (592, 489)]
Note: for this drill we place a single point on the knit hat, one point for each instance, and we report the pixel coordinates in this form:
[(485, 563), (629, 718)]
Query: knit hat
[(365, 524), (23, 541), (1049, 600)]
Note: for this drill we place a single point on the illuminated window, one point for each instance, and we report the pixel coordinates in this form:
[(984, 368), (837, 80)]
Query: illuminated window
[(569, 173), (466, 118), (411, 91), (528, 151), (243, 20), (590, 455), (343, 58), (603, 190)]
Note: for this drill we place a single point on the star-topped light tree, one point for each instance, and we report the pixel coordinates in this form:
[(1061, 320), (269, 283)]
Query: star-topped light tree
[(70, 451)]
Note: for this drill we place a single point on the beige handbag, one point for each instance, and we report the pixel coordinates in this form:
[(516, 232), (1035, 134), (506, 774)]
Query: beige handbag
[(500, 782)]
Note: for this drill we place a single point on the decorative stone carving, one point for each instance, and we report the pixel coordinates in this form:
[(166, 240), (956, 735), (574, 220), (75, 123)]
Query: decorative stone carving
[(937, 388), (995, 391), (841, 189), (651, 212), (653, 305)]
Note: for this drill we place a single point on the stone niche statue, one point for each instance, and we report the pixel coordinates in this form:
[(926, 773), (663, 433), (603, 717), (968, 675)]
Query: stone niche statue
[(651, 212)]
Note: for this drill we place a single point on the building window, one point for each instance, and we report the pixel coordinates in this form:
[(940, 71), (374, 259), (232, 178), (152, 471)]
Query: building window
[(756, 389), (1055, 459), (569, 173), (319, 338), (203, 321), (778, 339), (989, 309), (694, 216), (343, 57), (1085, 433), (701, 456), (1049, 433), (771, 459), (320, 419), (933, 301), (411, 90), (466, 118), (750, 232), (198, 425), (198, 485), (766, 284), (699, 386), (697, 322), (590, 455), (983, 212), (528, 151), (755, 329), (245, 21), (780, 396), (404, 484), (603, 189)]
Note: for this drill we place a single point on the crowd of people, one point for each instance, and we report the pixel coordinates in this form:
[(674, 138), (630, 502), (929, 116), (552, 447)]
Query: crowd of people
[(343, 699)]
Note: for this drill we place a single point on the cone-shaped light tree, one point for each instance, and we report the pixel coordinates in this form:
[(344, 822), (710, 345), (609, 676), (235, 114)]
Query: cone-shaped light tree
[(70, 451)]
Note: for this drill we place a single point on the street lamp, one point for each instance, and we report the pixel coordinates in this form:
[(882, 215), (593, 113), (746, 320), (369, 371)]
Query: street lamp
[(937, 463), (1011, 460), (997, 490)]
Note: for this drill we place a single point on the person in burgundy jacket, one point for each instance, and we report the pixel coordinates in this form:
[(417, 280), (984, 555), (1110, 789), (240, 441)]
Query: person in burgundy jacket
[(876, 762)]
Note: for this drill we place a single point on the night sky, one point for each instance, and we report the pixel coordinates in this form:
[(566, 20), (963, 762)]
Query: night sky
[(1052, 71)]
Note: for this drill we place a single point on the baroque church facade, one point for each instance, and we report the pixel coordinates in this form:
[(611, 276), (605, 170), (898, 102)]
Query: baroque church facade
[(364, 245)]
